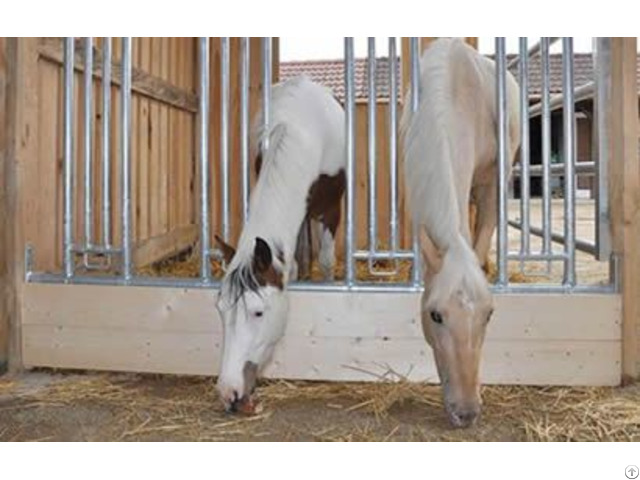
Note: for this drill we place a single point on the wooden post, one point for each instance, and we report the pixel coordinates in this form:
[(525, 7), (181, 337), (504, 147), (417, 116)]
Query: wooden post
[(19, 149), (624, 195)]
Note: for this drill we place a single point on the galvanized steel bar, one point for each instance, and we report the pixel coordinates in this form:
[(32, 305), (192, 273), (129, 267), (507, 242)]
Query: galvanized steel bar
[(581, 245), (203, 152), (350, 131), (583, 92), (372, 154), (393, 144), (414, 47), (532, 52), (601, 144), (224, 134), (525, 157), (503, 121), (106, 144), (244, 123), (266, 91), (569, 153), (88, 143), (581, 168), (69, 56), (125, 153), (546, 145)]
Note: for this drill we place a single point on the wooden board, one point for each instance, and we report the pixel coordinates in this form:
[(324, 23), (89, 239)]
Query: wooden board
[(534, 339)]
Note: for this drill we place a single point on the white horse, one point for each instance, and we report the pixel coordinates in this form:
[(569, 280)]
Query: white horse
[(302, 177), (451, 149)]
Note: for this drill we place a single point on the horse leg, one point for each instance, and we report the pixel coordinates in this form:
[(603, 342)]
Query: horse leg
[(327, 254), (485, 196)]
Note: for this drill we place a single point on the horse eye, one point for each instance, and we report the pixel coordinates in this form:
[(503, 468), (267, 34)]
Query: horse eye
[(259, 314), (436, 317)]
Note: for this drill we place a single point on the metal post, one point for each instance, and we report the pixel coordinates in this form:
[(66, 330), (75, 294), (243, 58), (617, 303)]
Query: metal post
[(69, 55), (205, 266), (266, 92), (244, 124), (525, 158), (371, 144), (125, 152), (106, 128), (224, 135), (88, 113), (393, 143), (546, 146), (350, 108), (415, 104), (569, 138), (601, 144), (503, 122)]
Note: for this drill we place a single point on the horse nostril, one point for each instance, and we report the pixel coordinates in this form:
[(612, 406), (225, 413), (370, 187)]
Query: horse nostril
[(467, 417)]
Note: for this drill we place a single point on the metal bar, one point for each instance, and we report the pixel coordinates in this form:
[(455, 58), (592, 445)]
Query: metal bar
[(125, 152), (393, 143), (581, 245), (535, 257), (224, 134), (266, 92), (557, 169), (88, 114), (372, 156), (503, 121), (546, 146), (244, 123), (583, 92), (384, 255), (181, 283), (525, 157), (569, 153), (106, 144), (415, 104), (69, 56), (205, 266), (601, 144), (350, 127), (97, 250), (532, 52)]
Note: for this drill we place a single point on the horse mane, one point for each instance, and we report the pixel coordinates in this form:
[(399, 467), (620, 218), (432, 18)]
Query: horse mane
[(429, 137)]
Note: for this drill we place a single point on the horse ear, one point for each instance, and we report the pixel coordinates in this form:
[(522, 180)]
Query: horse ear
[(262, 256), (430, 252), (227, 250)]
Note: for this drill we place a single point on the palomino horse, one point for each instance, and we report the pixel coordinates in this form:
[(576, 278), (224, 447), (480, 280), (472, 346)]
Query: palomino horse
[(301, 178), (451, 159)]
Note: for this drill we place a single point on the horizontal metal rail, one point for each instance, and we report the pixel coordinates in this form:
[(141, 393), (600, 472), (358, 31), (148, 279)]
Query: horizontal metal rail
[(381, 287), (582, 245), (558, 169)]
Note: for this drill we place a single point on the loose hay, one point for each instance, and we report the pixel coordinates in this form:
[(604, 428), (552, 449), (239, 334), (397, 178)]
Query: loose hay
[(147, 407)]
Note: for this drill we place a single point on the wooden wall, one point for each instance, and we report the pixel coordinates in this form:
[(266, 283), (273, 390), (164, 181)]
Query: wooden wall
[(163, 113)]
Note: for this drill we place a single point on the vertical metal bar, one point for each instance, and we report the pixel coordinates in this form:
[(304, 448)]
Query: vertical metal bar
[(501, 101), (546, 146), (601, 144), (125, 152), (224, 135), (415, 104), (371, 146), (244, 124), (205, 266), (569, 138), (106, 144), (88, 113), (69, 54), (393, 144), (350, 108), (525, 157), (266, 91)]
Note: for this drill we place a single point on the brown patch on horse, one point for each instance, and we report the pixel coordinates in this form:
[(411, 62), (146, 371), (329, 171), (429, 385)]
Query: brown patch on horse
[(324, 199), (263, 269)]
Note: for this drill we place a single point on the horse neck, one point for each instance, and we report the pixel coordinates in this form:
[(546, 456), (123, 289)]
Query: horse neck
[(277, 208)]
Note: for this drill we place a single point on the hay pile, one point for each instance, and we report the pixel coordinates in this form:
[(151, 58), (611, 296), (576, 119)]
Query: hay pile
[(147, 407)]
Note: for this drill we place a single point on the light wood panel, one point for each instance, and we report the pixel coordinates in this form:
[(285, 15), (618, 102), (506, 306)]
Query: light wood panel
[(534, 339)]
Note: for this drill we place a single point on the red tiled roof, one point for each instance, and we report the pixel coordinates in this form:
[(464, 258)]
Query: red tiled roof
[(331, 74)]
